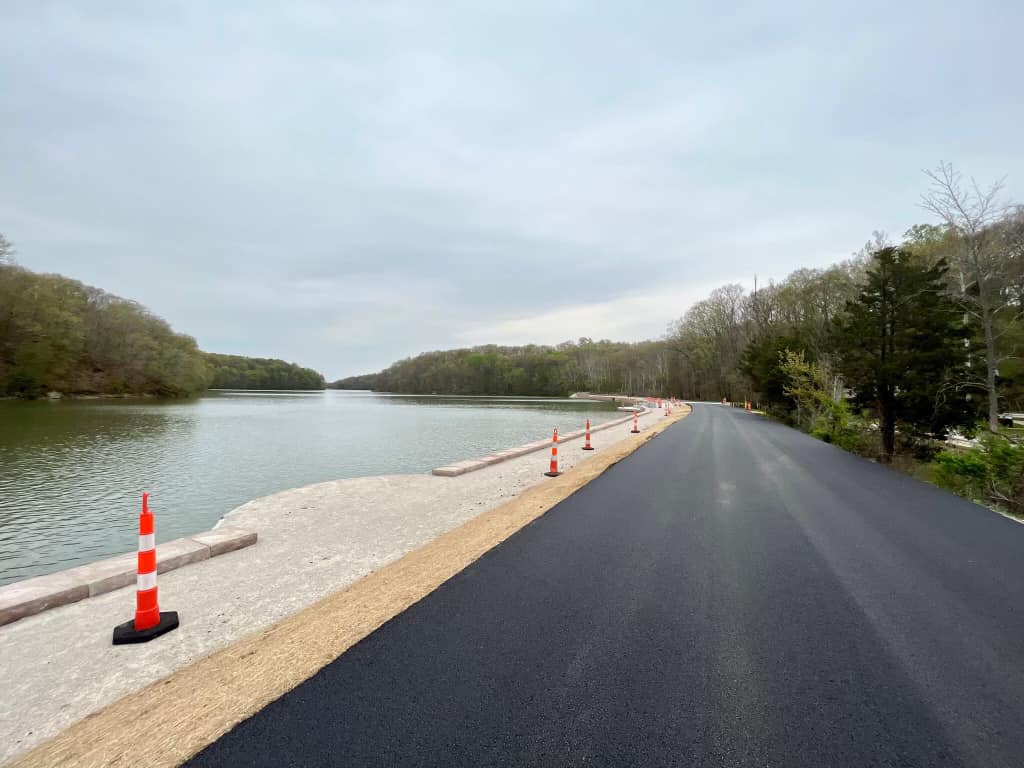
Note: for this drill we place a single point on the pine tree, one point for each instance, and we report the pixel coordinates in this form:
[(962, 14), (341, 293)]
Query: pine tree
[(902, 348)]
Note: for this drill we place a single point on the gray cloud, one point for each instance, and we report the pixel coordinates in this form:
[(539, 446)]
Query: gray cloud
[(346, 186)]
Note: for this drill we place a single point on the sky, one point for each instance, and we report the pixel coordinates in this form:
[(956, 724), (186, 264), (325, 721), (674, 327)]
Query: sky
[(345, 184)]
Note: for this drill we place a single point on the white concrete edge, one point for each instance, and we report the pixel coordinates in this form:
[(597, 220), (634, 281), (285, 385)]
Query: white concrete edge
[(41, 593), (472, 465)]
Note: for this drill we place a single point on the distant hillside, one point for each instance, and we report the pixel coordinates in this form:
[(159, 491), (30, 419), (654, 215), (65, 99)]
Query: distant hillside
[(236, 372), (594, 366), (57, 334), (366, 381), (60, 335)]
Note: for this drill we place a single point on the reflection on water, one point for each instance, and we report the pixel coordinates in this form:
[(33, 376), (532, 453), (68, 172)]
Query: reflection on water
[(71, 472)]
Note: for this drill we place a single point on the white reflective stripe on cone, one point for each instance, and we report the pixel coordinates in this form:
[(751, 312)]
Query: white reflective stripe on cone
[(146, 581), (147, 542)]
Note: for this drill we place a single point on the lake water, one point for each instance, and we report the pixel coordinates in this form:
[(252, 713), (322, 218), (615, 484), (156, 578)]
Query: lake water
[(72, 471)]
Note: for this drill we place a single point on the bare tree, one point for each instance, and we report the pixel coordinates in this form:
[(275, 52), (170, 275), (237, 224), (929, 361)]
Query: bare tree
[(6, 250), (971, 211)]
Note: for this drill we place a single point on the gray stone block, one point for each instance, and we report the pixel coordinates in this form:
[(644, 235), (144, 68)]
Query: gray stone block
[(446, 471), (174, 554), (107, 575), (25, 598), (225, 539)]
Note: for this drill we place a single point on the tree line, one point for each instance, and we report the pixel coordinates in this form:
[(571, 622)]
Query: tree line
[(890, 351), (583, 365), (237, 372), (933, 322), (60, 335)]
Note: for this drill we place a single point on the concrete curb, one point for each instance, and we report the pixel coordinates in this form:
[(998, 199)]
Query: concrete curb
[(32, 596), (472, 465)]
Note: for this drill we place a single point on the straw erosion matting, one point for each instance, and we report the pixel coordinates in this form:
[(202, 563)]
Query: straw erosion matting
[(169, 721)]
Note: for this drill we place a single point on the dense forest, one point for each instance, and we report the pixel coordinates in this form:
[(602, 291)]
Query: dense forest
[(732, 344), (236, 372), (59, 335), (585, 365), (890, 352)]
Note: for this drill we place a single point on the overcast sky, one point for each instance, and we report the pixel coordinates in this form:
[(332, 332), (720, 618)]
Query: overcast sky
[(345, 184)]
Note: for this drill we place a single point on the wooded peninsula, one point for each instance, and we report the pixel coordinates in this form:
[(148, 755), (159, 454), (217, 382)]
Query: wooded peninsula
[(60, 335)]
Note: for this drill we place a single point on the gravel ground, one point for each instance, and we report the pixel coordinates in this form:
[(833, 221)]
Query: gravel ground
[(60, 666)]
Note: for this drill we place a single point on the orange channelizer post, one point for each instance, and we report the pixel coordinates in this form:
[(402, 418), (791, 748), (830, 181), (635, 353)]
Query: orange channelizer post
[(149, 622), (553, 468), (636, 423), (588, 446)]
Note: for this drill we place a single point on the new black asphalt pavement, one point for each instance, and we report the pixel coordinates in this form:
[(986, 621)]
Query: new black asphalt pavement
[(734, 593)]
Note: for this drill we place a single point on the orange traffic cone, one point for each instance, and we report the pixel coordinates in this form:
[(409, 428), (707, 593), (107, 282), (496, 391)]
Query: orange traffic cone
[(553, 468), (149, 622), (588, 446), (636, 427)]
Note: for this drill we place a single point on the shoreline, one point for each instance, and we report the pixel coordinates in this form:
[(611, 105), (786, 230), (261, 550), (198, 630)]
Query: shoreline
[(35, 594), (313, 542), (195, 516)]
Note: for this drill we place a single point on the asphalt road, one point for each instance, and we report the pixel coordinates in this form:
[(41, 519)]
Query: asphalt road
[(733, 594)]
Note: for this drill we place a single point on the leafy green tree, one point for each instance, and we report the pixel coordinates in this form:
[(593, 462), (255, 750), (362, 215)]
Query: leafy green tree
[(812, 386), (902, 348), (762, 363)]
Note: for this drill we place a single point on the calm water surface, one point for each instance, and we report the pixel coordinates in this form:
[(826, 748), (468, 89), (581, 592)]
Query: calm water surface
[(71, 472)]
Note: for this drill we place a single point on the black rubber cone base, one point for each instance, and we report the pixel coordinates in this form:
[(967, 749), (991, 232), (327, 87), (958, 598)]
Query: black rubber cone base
[(552, 474), (634, 431), (588, 447), (126, 633)]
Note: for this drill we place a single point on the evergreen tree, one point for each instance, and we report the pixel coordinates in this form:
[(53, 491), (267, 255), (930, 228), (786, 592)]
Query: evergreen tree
[(902, 347)]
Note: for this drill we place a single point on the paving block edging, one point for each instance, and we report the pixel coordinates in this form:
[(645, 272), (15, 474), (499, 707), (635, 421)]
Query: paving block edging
[(32, 596), (472, 465)]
